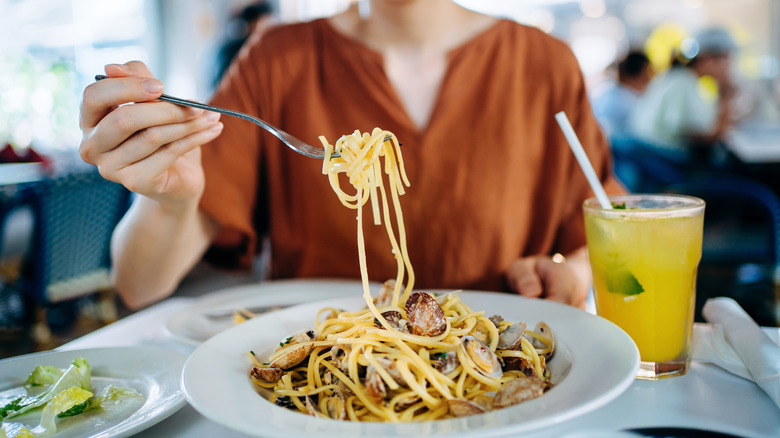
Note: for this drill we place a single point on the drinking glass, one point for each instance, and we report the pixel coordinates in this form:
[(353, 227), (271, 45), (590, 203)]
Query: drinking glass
[(644, 254)]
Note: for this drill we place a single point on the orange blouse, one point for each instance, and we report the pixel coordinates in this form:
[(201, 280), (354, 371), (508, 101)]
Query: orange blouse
[(492, 177)]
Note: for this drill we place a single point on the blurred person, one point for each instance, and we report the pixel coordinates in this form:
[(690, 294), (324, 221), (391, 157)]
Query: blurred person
[(675, 113), (254, 18), (496, 191), (613, 105)]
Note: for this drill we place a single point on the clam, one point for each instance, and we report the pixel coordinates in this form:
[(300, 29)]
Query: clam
[(496, 320), (300, 345), (517, 391), (406, 401), (392, 369), (271, 374), (446, 362), (336, 407), (520, 364), (464, 408), (484, 360), (549, 342), (375, 386), (340, 357), (346, 391), (385, 296), (481, 332), (395, 319), (425, 315), (284, 401), (311, 408), (510, 338)]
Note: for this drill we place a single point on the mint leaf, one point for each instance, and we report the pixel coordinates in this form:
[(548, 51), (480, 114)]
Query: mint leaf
[(617, 206), (623, 282)]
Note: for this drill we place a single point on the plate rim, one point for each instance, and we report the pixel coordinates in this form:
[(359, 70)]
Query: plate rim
[(624, 380), (172, 359), (239, 293)]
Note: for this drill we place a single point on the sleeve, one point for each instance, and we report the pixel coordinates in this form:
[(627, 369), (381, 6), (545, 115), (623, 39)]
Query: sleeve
[(232, 162)]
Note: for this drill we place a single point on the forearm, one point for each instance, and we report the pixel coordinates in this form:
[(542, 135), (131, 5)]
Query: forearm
[(154, 247)]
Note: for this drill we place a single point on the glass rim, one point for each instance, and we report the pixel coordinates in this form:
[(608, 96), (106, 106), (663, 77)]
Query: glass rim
[(688, 205)]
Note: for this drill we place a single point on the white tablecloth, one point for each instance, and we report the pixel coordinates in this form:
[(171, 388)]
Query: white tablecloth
[(706, 397)]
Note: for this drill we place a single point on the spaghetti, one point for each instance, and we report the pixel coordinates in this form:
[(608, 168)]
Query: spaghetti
[(409, 355)]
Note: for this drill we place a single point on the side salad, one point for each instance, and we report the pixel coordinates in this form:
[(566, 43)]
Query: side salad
[(59, 393)]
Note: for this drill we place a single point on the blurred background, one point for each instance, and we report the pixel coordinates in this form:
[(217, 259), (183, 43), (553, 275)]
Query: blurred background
[(50, 50)]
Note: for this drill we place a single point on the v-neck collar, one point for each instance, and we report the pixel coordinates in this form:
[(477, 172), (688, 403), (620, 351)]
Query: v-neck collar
[(369, 54)]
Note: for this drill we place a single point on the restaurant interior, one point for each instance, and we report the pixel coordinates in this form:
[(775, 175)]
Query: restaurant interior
[(51, 51), (57, 213)]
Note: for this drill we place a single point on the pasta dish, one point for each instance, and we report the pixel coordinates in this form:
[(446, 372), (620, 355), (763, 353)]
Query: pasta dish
[(408, 355)]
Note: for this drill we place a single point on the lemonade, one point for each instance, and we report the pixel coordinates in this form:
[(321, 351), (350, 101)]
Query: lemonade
[(644, 260)]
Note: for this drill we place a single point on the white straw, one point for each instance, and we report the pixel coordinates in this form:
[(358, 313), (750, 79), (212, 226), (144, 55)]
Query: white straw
[(582, 158)]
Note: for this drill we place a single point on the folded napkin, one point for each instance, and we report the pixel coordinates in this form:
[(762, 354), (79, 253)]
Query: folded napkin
[(737, 344)]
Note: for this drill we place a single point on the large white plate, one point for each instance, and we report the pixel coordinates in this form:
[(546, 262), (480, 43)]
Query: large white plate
[(193, 326), (154, 372), (595, 361)]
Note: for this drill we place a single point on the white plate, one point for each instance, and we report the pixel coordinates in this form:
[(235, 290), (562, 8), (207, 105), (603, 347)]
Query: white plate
[(193, 326), (153, 372), (595, 361)]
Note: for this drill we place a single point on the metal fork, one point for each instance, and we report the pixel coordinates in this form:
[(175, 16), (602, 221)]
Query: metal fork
[(294, 143)]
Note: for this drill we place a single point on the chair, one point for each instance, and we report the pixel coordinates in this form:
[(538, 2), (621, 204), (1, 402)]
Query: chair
[(13, 308), (643, 167), (74, 215)]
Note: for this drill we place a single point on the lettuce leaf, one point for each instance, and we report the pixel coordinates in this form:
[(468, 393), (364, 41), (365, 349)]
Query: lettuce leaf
[(62, 402), (43, 375), (78, 374)]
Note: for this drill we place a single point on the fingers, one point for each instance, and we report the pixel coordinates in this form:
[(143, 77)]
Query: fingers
[(560, 283), (143, 175), (132, 68), (523, 279), (540, 276), (128, 120), (143, 143), (103, 96)]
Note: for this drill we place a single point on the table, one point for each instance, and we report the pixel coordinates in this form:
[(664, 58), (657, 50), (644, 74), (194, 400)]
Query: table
[(755, 144), (706, 397)]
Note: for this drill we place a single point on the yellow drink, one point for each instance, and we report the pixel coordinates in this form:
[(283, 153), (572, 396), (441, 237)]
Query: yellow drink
[(644, 260)]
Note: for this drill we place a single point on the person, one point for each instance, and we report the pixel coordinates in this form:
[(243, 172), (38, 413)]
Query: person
[(675, 114), (495, 190), (613, 104), (254, 18)]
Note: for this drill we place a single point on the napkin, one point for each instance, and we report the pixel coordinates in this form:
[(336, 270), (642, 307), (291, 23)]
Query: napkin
[(737, 344)]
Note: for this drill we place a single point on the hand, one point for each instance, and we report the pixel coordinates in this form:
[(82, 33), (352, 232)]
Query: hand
[(150, 147), (539, 276)]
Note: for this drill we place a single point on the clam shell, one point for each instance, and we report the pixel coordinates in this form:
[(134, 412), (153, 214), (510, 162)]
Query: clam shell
[(424, 315)]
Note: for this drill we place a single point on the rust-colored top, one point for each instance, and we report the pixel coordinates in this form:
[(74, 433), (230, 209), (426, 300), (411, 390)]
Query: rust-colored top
[(492, 177)]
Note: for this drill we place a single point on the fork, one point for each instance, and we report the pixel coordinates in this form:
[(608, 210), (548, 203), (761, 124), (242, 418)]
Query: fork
[(294, 143)]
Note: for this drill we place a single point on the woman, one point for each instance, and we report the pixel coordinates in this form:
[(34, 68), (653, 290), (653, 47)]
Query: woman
[(495, 191)]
